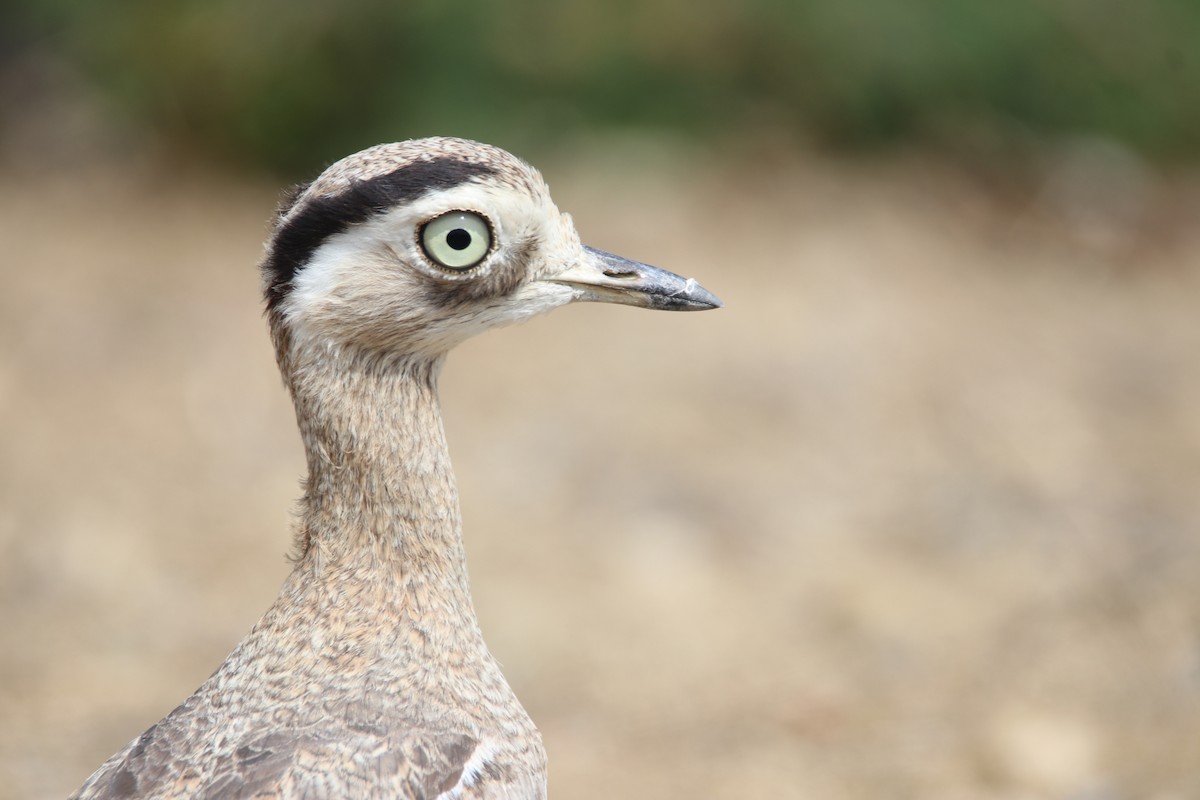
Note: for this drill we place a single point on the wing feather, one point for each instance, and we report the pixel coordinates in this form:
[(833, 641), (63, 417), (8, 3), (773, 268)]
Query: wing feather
[(313, 764)]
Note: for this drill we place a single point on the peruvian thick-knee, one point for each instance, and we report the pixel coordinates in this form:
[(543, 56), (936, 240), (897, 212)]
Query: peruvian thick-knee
[(369, 677)]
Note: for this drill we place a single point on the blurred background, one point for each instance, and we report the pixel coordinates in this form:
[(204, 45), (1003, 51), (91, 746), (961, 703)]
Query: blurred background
[(914, 516)]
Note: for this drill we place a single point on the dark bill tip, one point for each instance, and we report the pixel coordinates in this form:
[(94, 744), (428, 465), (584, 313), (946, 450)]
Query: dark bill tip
[(607, 278)]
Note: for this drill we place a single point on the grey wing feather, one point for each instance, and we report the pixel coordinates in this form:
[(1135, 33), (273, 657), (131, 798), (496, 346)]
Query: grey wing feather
[(313, 764), (319, 766)]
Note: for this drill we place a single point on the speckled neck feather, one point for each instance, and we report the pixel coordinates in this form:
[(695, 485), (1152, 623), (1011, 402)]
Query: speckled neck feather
[(380, 497)]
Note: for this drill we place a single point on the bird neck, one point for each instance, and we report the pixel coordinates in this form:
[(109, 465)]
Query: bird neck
[(380, 499)]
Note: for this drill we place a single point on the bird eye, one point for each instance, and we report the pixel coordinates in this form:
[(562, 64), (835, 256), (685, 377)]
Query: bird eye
[(457, 240)]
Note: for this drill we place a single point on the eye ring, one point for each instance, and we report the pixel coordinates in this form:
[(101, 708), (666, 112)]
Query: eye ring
[(457, 240)]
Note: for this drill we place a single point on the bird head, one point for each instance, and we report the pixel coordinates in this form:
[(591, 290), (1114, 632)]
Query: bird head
[(409, 248)]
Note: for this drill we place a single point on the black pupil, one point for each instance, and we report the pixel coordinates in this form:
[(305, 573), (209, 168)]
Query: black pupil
[(459, 239)]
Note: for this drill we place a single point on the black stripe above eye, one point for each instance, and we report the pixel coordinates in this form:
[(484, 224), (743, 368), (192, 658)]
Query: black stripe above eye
[(297, 239)]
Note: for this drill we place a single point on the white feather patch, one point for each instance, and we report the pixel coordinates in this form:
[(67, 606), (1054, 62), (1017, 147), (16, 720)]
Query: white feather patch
[(483, 753)]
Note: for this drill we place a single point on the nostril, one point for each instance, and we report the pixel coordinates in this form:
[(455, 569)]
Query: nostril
[(620, 274)]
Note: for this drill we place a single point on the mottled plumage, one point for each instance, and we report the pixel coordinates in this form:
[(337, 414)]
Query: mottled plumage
[(369, 677)]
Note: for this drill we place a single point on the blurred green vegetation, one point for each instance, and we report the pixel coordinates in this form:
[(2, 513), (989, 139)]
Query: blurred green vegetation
[(289, 83)]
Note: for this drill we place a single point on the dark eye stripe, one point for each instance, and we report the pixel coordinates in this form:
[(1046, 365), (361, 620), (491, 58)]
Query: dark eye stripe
[(319, 218)]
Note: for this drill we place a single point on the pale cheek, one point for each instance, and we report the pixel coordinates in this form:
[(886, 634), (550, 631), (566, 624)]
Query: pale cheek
[(348, 306), (534, 299)]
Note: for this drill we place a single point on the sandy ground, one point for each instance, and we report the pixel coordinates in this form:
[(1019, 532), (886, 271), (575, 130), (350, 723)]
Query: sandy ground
[(914, 516)]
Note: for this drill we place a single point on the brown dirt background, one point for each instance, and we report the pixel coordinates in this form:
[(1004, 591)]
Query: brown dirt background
[(914, 516)]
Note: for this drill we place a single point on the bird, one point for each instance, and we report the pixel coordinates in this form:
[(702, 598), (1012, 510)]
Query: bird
[(368, 677)]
